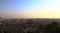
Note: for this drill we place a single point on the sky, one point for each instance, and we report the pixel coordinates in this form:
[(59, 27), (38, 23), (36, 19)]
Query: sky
[(30, 8)]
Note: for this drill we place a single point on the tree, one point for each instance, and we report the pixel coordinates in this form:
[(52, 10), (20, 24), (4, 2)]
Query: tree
[(54, 24), (40, 29), (51, 28)]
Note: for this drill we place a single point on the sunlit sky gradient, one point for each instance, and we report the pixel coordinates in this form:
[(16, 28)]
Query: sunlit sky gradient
[(30, 8)]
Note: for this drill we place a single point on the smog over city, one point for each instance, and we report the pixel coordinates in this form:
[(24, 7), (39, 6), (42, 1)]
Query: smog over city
[(29, 16)]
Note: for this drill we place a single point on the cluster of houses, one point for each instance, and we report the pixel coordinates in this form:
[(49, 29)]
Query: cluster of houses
[(27, 25)]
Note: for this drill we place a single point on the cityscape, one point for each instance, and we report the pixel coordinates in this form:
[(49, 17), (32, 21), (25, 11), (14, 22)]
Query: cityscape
[(37, 25), (29, 16)]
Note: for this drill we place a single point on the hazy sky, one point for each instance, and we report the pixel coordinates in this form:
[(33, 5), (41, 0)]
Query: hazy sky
[(30, 8)]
